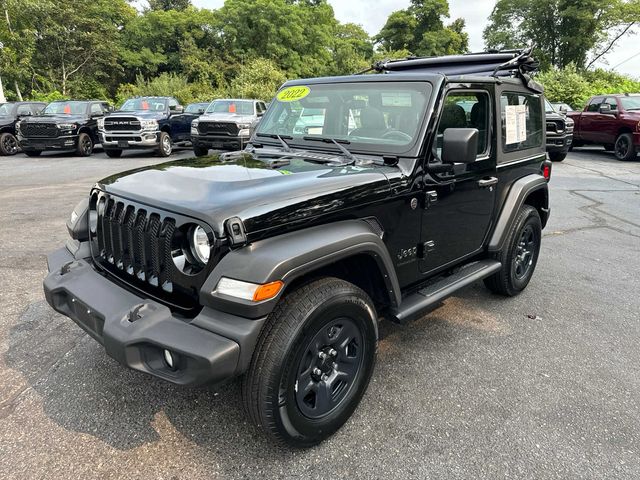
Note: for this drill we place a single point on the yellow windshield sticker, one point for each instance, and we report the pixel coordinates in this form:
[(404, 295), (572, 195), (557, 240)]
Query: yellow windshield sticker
[(291, 94)]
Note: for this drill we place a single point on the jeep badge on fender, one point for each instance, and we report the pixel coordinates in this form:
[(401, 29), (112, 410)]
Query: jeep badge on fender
[(276, 263)]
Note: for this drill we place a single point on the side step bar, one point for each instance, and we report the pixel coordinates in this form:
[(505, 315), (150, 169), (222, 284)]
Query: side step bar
[(428, 297)]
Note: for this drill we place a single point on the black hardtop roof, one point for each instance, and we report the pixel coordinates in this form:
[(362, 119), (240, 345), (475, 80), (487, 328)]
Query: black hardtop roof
[(416, 77)]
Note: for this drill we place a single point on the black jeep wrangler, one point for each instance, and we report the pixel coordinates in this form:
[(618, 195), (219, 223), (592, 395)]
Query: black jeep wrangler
[(62, 125), (150, 123), (276, 263), (10, 114)]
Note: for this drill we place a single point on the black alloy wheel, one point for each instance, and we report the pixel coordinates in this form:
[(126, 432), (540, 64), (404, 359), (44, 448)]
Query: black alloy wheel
[(525, 249), (328, 367), (85, 145), (624, 148), (8, 144)]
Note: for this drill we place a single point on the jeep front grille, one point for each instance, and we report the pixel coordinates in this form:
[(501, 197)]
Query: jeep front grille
[(122, 124), (135, 243), (217, 128), (45, 130)]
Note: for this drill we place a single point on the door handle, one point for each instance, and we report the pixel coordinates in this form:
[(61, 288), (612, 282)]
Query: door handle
[(487, 182)]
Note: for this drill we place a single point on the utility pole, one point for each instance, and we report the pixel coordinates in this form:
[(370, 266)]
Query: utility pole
[(2, 99)]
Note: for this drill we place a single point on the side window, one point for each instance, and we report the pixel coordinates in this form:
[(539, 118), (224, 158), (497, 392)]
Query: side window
[(24, 110), (522, 121), (594, 105), (612, 102), (37, 108), (96, 109), (466, 110)]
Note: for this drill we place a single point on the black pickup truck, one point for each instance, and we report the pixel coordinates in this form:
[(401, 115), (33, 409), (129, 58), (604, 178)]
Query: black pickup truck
[(62, 125), (277, 262), (152, 123), (10, 114)]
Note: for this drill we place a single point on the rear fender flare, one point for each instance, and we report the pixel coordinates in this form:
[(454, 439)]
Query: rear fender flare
[(516, 197)]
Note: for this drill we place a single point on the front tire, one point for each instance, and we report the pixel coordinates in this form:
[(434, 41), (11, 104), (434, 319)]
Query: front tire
[(113, 152), (85, 145), (557, 156), (519, 255), (8, 144), (165, 148), (312, 363), (624, 149), (200, 151)]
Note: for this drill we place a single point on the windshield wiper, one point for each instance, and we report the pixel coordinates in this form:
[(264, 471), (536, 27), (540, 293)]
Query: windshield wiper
[(280, 138), (343, 149)]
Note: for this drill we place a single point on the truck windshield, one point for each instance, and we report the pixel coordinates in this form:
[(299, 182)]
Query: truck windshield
[(231, 106), (65, 108), (5, 109), (378, 116), (631, 103), (548, 108), (143, 104)]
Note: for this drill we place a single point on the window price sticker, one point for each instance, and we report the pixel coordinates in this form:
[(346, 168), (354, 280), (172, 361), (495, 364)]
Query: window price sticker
[(516, 124)]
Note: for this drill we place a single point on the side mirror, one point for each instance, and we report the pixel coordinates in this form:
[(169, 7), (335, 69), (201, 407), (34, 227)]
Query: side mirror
[(259, 114), (459, 145), (176, 109), (605, 109), (200, 111), (563, 109)]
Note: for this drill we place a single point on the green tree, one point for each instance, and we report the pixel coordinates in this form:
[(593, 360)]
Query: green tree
[(420, 29), (169, 4), (564, 31), (259, 78)]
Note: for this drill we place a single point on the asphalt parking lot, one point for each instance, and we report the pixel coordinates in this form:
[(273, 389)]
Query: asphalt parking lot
[(544, 385)]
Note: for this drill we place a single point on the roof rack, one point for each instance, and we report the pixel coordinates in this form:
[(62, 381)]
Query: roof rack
[(506, 63)]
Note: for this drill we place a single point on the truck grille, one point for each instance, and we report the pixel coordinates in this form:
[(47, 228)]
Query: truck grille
[(121, 124), (46, 130), (218, 128), (555, 127), (136, 244)]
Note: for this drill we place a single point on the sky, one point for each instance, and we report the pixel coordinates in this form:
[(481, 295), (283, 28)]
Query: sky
[(372, 14)]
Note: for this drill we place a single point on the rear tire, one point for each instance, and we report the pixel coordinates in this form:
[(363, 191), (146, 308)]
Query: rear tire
[(165, 148), (557, 156), (8, 144), (200, 151), (519, 255), (312, 363), (624, 148), (85, 145), (113, 152), (32, 153)]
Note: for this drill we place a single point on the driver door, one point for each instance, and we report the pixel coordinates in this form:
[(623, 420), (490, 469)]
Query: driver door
[(458, 205)]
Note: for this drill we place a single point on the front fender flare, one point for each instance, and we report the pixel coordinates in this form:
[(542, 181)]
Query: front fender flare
[(291, 255)]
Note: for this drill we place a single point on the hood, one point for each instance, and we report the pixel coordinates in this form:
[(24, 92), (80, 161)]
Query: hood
[(555, 116), (262, 196), (227, 117), (146, 114), (6, 119), (53, 119)]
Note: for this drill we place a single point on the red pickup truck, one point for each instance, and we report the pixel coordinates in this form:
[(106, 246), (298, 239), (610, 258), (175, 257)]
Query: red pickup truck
[(612, 121)]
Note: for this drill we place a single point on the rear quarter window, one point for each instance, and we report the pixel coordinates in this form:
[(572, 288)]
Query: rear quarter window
[(522, 119)]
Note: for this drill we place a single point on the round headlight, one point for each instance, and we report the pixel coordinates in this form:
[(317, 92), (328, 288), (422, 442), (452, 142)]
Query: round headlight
[(200, 245)]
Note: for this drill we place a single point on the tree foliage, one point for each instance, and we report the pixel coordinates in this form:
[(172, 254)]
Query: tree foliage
[(563, 31), (420, 29)]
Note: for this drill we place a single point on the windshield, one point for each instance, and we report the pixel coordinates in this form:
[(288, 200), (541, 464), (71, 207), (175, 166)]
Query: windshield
[(231, 106), (5, 109), (548, 108), (383, 115), (195, 107), (630, 103), (144, 103), (65, 108)]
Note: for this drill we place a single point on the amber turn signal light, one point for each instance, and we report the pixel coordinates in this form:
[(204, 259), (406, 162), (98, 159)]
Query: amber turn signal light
[(267, 291)]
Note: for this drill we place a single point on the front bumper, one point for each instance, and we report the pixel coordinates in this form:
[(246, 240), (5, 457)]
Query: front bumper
[(122, 140), (219, 141), (67, 142), (210, 348), (559, 143)]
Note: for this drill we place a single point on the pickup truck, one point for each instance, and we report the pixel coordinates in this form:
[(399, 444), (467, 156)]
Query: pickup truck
[(151, 123), (611, 121)]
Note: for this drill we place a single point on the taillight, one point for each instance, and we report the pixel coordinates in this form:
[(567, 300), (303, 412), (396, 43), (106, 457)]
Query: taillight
[(546, 170)]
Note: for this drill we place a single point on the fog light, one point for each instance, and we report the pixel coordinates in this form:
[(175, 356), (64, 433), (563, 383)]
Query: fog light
[(169, 359)]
